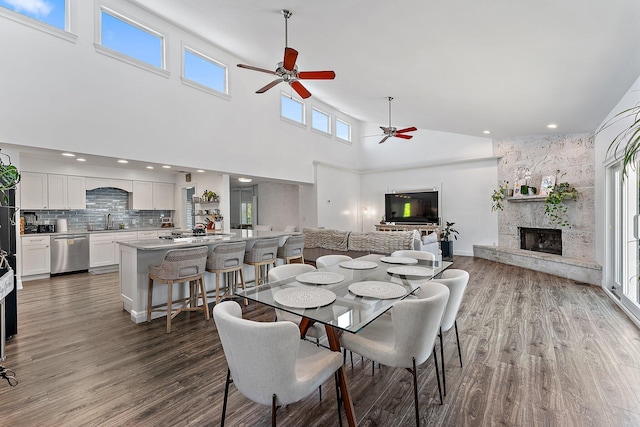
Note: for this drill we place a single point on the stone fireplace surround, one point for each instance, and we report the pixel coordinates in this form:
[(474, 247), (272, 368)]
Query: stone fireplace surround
[(573, 156)]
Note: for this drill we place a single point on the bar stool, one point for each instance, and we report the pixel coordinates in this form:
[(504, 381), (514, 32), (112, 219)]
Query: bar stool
[(223, 259), (292, 249), (180, 266), (262, 254)]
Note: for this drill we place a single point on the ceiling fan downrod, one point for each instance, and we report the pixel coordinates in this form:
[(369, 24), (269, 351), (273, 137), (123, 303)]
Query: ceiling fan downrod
[(287, 14), (390, 99)]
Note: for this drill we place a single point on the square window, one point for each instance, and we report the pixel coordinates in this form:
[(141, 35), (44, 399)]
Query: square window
[(131, 39), (51, 12), (204, 71), (291, 109), (320, 121), (343, 130)]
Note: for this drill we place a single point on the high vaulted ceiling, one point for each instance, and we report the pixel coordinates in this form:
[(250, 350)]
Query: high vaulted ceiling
[(462, 66)]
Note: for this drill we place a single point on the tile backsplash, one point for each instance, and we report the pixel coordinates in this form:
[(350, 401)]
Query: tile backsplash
[(100, 202)]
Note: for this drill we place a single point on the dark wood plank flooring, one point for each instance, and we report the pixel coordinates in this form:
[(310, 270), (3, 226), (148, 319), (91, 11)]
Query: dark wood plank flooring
[(537, 350)]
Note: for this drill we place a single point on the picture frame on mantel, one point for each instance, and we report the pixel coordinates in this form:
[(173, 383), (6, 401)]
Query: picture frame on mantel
[(546, 185)]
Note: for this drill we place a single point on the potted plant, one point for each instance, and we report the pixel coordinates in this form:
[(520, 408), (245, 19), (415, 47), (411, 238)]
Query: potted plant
[(9, 176), (555, 207), (446, 244), (629, 136)]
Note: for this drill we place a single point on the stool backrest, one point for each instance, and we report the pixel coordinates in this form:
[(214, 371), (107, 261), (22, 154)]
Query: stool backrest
[(226, 255), (293, 246), (179, 263), (263, 250)]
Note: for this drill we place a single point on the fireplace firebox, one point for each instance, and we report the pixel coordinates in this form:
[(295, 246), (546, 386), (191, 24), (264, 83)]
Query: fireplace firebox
[(546, 240)]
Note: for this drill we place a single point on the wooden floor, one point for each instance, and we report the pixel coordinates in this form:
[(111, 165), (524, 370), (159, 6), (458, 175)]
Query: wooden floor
[(537, 350)]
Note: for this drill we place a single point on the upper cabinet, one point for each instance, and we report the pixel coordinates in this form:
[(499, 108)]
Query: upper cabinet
[(148, 195), (33, 191), (122, 184), (66, 192)]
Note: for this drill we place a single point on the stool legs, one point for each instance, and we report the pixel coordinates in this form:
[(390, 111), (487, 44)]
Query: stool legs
[(169, 305)]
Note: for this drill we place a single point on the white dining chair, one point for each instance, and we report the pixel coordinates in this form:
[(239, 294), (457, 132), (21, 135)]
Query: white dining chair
[(329, 260), (289, 270), (456, 280), (287, 370), (405, 339), (419, 255)]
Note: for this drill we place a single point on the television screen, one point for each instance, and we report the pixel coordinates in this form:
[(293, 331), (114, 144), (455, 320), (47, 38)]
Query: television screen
[(417, 208)]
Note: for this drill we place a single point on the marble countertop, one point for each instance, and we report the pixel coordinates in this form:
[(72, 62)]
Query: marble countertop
[(85, 231), (231, 236)]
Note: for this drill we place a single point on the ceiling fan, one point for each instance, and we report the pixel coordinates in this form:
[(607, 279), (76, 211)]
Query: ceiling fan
[(394, 132), (287, 71)]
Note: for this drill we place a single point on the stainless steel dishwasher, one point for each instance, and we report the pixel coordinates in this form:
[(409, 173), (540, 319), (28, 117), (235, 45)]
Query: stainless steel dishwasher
[(69, 253)]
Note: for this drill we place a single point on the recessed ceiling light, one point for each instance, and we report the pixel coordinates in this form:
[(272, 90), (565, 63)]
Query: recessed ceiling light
[(486, 132), (552, 126), (123, 161), (68, 154), (149, 167), (80, 159), (200, 170), (166, 166), (244, 179)]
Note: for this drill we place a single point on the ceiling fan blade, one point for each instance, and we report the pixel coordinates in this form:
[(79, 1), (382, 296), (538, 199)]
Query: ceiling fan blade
[(403, 136), (384, 129), (377, 134), (269, 86), (411, 129), (317, 75), (384, 139), (290, 56), (302, 91), (262, 70)]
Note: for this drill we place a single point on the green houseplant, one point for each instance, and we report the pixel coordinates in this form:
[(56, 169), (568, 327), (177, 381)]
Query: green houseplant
[(498, 196), (629, 136), (555, 207), (446, 244), (9, 176)]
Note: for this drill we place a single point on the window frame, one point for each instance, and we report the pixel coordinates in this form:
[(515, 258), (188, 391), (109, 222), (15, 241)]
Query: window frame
[(329, 122), (196, 85), (64, 34), (163, 70), (302, 124), (347, 141)]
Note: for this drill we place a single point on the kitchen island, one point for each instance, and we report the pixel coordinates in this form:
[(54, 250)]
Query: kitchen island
[(136, 257)]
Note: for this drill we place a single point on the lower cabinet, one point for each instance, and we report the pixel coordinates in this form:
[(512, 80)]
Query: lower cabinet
[(102, 249), (124, 236), (36, 255)]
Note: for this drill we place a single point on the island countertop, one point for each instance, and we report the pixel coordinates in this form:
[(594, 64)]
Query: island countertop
[(185, 242)]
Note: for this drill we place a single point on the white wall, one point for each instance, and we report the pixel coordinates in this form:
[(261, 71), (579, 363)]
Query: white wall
[(64, 95), (465, 198), (338, 193), (278, 205)]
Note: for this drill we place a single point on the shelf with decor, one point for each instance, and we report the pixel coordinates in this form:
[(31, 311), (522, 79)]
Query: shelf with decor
[(527, 199)]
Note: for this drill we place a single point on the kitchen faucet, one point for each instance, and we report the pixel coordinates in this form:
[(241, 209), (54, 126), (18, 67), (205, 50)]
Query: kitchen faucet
[(108, 221)]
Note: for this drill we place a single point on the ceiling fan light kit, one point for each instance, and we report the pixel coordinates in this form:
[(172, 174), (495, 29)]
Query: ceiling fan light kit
[(287, 70)]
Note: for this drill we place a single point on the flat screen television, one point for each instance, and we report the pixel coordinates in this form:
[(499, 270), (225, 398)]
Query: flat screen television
[(412, 208)]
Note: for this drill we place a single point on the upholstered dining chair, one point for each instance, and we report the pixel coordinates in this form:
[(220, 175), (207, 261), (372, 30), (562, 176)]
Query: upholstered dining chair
[(420, 255), (405, 339), (329, 260), (263, 227), (456, 280), (289, 270), (180, 266), (288, 368)]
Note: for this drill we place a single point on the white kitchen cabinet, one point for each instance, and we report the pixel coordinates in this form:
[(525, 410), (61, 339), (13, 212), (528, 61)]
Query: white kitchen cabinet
[(142, 195), (102, 249), (33, 191), (123, 236), (163, 196), (122, 184), (152, 196), (164, 233), (36, 255), (66, 192)]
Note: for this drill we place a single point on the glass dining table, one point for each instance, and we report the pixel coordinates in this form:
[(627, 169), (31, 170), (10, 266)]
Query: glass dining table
[(346, 297)]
